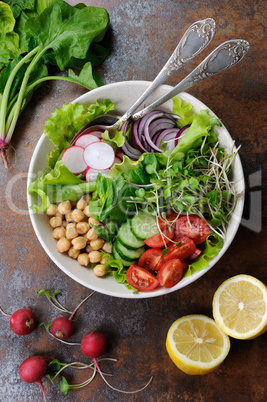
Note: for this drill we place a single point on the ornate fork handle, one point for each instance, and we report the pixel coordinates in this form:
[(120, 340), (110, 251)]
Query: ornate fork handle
[(194, 40), (223, 57), (201, 31)]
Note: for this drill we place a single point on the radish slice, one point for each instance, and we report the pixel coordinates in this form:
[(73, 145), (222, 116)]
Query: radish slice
[(99, 155), (91, 174), (72, 158), (87, 130), (86, 139)]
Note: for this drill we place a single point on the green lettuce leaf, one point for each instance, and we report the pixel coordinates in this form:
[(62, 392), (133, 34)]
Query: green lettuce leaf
[(116, 269), (125, 167), (118, 138), (200, 127), (212, 246), (184, 111), (66, 121), (61, 175)]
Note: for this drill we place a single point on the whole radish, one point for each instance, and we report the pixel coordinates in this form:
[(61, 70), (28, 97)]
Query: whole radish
[(62, 327), (95, 344), (22, 322), (32, 370)]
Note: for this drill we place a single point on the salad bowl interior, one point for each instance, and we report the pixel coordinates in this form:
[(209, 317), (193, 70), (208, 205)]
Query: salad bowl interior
[(124, 94)]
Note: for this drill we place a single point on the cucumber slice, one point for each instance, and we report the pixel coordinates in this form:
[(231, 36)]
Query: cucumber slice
[(144, 225), (128, 254), (118, 257), (127, 238)]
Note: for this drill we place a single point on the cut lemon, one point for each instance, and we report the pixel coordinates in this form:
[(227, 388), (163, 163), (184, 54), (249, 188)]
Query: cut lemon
[(240, 307), (196, 344)]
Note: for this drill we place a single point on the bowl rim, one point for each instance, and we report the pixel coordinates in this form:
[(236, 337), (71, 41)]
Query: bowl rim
[(56, 257)]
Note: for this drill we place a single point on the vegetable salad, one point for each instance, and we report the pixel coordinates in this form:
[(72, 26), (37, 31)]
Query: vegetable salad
[(165, 213)]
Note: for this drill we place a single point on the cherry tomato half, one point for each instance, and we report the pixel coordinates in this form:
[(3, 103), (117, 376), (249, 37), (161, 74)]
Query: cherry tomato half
[(167, 221), (193, 227), (141, 279), (150, 259), (160, 239), (170, 273), (184, 249)]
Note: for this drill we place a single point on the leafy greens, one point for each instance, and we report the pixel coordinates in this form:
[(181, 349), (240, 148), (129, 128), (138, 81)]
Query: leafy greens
[(69, 37), (192, 179)]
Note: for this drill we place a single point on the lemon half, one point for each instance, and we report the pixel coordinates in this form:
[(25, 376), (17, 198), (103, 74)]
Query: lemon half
[(240, 307), (196, 344)]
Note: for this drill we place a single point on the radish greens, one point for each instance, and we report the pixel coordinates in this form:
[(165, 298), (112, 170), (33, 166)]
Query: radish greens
[(69, 37)]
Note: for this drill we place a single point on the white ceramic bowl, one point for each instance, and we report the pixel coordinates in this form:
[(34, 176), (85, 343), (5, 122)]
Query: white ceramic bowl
[(124, 95)]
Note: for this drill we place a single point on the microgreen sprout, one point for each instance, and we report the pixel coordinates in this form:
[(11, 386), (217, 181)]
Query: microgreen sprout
[(53, 299), (197, 184)]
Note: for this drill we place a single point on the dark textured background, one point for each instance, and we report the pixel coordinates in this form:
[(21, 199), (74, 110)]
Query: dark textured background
[(141, 37)]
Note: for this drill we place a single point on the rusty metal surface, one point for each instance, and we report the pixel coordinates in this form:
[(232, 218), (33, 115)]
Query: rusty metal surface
[(141, 37)]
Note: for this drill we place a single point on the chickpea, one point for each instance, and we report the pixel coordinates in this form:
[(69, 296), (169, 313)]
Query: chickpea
[(59, 232), (107, 247), (77, 215), (73, 253), (51, 210), (60, 215), (71, 231), (95, 256), (104, 260), (93, 221), (64, 207), (79, 243), (68, 217), (96, 244), (100, 270), (81, 204), (83, 259), (86, 211), (87, 198), (88, 248), (55, 221), (63, 245), (91, 234), (64, 224), (82, 227)]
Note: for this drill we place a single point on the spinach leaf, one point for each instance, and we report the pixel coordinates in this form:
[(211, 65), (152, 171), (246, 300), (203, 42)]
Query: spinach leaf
[(65, 39)]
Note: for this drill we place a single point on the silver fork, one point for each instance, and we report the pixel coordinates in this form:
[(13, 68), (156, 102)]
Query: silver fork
[(195, 39)]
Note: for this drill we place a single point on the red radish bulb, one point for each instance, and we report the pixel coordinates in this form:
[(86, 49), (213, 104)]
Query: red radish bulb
[(73, 159), (62, 328), (32, 370), (22, 322), (94, 344)]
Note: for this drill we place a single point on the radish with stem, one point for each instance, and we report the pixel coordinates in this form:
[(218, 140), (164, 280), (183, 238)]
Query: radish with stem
[(93, 345), (22, 322), (62, 327), (32, 370)]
